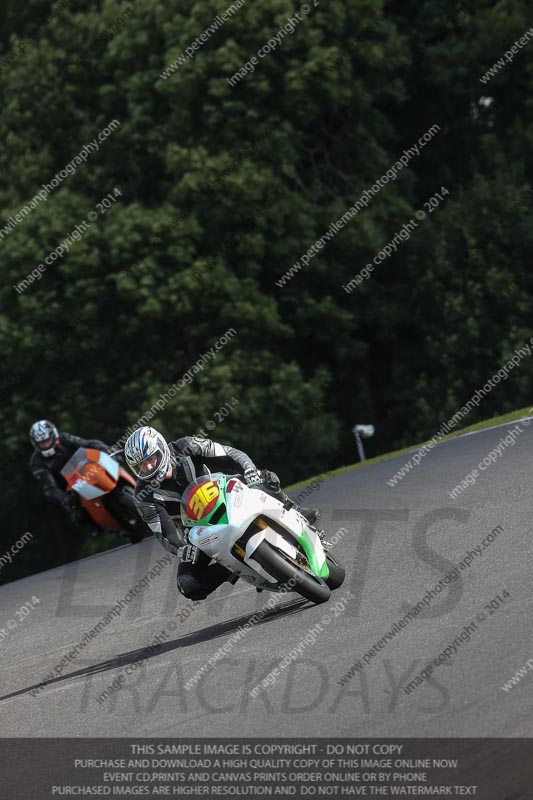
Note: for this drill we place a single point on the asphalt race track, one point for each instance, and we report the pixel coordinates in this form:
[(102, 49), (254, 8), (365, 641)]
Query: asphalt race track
[(397, 544)]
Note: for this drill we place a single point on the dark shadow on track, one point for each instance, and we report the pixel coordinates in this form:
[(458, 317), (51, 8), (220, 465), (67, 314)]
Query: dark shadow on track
[(190, 639)]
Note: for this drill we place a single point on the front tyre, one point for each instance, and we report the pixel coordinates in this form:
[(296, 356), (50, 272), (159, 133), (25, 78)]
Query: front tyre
[(337, 574), (286, 572)]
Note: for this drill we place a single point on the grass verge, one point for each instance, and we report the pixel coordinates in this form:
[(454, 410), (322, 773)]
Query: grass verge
[(487, 423)]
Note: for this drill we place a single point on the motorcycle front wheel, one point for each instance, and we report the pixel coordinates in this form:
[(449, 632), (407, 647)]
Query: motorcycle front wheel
[(337, 573), (289, 575)]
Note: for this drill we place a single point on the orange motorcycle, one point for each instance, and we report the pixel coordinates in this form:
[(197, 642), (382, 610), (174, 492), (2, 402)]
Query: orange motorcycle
[(105, 491)]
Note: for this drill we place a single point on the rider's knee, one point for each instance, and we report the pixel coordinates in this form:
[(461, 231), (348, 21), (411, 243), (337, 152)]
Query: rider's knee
[(191, 588)]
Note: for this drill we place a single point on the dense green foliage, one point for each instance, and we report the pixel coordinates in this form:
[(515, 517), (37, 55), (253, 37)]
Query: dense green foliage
[(222, 190)]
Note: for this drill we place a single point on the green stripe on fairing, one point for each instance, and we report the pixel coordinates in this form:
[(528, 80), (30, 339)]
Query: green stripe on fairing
[(310, 552)]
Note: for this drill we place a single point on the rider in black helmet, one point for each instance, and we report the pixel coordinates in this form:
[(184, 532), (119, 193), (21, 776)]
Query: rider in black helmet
[(52, 451)]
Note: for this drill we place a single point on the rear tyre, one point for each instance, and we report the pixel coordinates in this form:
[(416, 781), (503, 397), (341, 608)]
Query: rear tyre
[(286, 572), (337, 574)]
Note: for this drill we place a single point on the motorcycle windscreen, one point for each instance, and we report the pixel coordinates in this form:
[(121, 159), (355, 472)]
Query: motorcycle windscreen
[(91, 473), (205, 500), (109, 464)]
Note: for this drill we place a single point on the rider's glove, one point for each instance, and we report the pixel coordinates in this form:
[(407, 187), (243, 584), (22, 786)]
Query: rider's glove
[(189, 554), (271, 480), (252, 476)]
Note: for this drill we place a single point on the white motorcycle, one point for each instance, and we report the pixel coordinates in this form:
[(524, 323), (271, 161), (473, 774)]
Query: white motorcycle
[(255, 537)]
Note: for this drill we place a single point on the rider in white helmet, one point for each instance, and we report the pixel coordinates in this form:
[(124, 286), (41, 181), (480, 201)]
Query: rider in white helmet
[(164, 470)]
